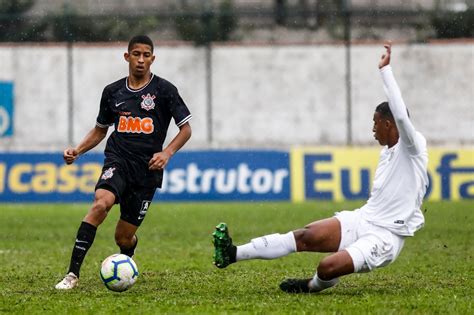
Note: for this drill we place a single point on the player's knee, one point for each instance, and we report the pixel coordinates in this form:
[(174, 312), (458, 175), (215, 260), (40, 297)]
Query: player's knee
[(305, 239), (100, 207), (300, 239)]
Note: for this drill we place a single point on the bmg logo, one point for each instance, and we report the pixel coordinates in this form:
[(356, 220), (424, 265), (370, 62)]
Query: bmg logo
[(6, 109)]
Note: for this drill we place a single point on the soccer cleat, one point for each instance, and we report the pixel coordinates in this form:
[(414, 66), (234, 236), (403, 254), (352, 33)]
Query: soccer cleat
[(224, 250), (296, 286), (70, 281)]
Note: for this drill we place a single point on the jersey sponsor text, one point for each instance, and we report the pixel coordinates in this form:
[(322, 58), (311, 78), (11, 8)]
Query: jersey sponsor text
[(135, 125)]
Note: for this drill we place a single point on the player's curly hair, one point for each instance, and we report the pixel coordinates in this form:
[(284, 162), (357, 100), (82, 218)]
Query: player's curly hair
[(385, 111), (140, 39)]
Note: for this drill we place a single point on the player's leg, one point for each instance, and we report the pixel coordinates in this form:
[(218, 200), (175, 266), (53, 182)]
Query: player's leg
[(335, 265), (103, 201), (370, 251), (107, 192), (363, 247), (329, 270), (126, 238), (319, 236), (133, 209), (331, 267)]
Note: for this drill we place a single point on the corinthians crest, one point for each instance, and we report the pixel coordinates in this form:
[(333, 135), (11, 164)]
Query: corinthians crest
[(108, 173), (148, 102)]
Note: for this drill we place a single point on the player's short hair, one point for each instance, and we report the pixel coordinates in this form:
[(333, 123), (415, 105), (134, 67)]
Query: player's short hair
[(384, 110), (140, 39)]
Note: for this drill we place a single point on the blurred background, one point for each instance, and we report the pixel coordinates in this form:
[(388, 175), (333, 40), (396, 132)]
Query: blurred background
[(290, 71), (256, 75), (243, 21)]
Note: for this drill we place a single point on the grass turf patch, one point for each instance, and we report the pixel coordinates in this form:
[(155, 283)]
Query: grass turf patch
[(434, 273)]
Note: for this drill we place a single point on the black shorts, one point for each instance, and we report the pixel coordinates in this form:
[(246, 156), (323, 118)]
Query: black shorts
[(134, 199)]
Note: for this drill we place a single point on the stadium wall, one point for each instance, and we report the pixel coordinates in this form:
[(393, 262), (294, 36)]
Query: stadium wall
[(270, 107), (262, 96)]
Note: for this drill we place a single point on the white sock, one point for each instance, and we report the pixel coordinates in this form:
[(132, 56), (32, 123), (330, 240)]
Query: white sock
[(317, 284), (267, 247)]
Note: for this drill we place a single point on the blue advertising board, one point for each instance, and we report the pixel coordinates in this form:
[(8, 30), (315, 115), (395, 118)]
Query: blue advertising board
[(227, 175), (333, 174), (190, 175), (44, 177), (6, 109)]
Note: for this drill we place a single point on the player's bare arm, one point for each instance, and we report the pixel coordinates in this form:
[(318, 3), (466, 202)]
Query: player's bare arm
[(160, 159), (385, 60), (92, 139)]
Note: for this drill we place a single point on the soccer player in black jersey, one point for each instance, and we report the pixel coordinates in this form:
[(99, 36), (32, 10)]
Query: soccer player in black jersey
[(140, 107)]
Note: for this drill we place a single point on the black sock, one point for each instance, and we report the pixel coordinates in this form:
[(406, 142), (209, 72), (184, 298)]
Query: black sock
[(130, 251), (84, 239)]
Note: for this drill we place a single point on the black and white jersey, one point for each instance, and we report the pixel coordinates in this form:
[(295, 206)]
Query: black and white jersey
[(141, 119)]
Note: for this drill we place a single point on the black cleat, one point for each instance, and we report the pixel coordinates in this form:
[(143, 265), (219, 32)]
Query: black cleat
[(296, 286)]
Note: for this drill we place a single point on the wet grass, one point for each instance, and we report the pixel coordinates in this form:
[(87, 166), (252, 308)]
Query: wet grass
[(434, 273)]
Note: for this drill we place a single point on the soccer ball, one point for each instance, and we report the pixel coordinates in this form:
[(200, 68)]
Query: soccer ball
[(118, 272)]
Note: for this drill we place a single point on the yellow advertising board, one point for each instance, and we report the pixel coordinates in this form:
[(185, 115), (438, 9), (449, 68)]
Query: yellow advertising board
[(346, 173)]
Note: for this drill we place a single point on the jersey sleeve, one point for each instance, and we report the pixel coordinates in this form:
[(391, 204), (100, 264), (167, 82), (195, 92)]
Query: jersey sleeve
[(105, 117), (178, 108), (406, 130)]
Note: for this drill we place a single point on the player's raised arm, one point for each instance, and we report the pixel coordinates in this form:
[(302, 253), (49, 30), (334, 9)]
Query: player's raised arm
[(397, 106)]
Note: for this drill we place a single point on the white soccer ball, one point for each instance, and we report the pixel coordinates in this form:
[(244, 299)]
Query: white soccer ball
[(118, 272)]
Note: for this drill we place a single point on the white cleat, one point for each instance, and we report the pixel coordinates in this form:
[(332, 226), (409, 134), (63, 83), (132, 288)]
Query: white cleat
[(69, 282)]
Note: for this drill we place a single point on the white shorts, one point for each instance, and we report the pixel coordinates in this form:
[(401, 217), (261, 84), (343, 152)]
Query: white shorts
[(370, 246)]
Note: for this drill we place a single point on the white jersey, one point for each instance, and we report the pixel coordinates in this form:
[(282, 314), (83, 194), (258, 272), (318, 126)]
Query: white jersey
[(401, 177)]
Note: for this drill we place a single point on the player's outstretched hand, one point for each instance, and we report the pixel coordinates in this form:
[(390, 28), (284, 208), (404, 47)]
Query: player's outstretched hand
[(385, 60), (70, 155), (158, 161)]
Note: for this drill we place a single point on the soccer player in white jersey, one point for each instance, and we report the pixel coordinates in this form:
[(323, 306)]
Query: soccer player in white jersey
[(366, 238)]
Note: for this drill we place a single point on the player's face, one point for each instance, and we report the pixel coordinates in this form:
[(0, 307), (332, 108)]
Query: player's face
[(140, 57), (380, 128)]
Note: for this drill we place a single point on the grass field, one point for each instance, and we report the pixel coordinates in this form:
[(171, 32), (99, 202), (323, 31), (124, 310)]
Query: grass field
[(434, 273)]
